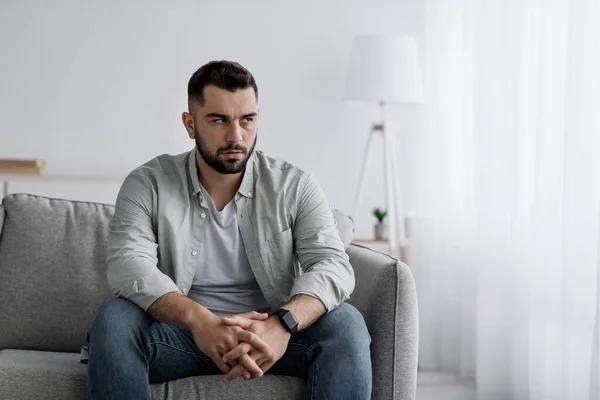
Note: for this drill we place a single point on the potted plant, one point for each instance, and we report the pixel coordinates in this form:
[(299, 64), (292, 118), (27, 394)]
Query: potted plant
[(381, 231)]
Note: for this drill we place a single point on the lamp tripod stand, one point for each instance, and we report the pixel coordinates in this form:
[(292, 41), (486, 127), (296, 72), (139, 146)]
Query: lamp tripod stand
[(396, 229)]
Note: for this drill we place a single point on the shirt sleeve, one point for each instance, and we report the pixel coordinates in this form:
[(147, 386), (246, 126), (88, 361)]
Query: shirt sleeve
[(132, 249), (327, 273)]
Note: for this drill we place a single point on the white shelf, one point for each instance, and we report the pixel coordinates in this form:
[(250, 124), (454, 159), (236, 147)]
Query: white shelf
[(57, 178)]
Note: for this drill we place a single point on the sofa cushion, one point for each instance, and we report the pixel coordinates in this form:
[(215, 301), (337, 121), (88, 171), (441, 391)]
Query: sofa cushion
[(49, 375), (209, 387), (41, 375), (345, 226), (52, 271)]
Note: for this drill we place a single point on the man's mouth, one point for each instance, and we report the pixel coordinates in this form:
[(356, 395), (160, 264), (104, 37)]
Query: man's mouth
[(232, 154)]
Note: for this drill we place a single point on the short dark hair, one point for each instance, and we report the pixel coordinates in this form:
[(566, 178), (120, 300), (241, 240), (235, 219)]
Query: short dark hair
[(227, 75)]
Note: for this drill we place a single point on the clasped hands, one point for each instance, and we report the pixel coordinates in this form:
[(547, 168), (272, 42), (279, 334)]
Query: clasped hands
[(250, 343)]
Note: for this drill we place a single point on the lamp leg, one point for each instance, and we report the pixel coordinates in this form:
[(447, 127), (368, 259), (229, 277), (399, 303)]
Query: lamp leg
[(400, 214), (361, 179), (389, 193)]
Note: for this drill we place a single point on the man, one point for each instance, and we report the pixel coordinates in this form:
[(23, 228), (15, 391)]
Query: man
[(204, 245)]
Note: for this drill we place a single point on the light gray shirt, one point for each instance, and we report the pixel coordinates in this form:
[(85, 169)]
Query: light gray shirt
[(224, 282), (287, 226)]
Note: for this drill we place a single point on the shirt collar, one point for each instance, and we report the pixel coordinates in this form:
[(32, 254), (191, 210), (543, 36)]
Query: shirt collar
[(246, 188), (193, 172)]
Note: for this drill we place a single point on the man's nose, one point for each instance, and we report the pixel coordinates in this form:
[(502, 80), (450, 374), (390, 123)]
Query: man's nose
[(234, 134)]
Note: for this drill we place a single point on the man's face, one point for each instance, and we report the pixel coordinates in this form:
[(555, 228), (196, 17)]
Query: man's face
[(225, 128)]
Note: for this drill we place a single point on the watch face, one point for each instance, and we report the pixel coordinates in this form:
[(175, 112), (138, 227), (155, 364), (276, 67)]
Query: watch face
[(289, 320)]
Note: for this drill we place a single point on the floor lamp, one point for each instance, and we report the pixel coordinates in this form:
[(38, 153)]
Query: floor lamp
[(385, 70)]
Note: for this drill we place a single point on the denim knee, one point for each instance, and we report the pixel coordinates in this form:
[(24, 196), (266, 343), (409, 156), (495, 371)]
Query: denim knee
[(118, 355), (351, 331), (116, 319)]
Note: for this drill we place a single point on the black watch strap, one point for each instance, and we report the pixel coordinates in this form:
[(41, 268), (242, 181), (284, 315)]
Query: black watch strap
[(289, 321)]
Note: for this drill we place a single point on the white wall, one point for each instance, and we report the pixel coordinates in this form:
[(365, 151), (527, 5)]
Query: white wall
[(97, 88)]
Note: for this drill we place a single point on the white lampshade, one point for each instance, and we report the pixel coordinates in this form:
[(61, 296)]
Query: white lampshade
[(384, 69)]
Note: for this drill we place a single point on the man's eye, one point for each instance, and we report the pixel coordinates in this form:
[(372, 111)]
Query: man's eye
[(248, 119), (218, 120)]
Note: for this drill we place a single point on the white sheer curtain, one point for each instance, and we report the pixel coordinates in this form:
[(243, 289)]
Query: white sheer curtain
[(506, 254)]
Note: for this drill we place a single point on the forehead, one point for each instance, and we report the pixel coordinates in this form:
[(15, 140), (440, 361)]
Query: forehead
[(230, 103)]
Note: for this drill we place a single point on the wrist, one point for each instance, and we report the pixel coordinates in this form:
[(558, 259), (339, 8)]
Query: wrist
[(197, 316), (276, 323)]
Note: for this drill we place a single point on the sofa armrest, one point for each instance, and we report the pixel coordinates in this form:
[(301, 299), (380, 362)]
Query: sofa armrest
[(1, 218), (386, 296)]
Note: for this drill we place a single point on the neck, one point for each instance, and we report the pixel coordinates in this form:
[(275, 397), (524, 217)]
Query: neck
[(220, 187)]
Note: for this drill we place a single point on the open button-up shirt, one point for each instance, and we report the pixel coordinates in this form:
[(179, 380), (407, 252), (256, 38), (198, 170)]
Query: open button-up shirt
[(287, 226)]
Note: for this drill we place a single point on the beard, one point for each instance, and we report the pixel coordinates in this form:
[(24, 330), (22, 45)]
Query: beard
[(224, 166)]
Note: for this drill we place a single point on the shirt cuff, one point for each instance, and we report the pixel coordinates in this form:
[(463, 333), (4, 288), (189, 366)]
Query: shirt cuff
[(145, 292), (330, 294)]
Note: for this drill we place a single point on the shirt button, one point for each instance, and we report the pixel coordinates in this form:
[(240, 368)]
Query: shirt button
[(203, 215), (184, 291), (194, 253), (249, 193)]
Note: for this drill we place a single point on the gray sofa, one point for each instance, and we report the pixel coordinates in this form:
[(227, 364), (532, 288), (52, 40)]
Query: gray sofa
[(53, 278)]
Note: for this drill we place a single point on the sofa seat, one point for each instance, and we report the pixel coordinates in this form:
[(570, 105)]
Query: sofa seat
[(26, 374)]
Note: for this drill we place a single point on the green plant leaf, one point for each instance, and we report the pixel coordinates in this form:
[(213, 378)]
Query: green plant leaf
[(379, 214)]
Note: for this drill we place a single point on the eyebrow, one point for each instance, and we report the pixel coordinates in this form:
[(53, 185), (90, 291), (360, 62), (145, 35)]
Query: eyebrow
[(223, 116)]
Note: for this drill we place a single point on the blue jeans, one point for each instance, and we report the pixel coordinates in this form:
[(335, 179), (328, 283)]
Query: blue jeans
[(129, 350)]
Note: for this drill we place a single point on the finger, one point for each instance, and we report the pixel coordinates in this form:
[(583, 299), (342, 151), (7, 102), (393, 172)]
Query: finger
[(237, 352), (254, 340), (226, 347), (250, 366), (267, 365), (247, 368), (235, 373), (237, 320), (255, 315), (261, 358), (241, 350), (232, 363), (220, 363)]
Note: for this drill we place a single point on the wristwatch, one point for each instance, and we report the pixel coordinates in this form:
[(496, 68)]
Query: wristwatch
[(290, 323)]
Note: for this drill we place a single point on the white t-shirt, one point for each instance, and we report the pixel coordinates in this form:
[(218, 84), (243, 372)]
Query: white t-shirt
[(224, 282)]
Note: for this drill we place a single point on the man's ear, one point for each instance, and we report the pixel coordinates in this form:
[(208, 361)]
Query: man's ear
[(188, 123)]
